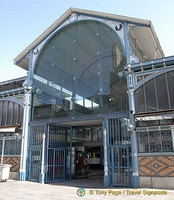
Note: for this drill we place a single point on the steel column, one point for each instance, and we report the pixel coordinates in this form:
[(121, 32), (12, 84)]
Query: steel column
[(2, 155), (42, 175), (134, 141), (105, 144), (126, 40), (26, 119), (173, 137), (71, 133)]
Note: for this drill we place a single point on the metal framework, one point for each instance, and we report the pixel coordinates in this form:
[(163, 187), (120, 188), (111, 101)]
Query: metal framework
[(155, 141), (35, 153), (116, 138), (58, 156)]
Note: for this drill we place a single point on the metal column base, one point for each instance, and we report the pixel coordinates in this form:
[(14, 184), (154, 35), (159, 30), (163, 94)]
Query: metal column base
[(22, 176), (135, 182), (42, 178), (106, 181)]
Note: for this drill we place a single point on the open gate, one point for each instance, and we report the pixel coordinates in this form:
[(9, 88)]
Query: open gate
[(119, 152), (58, 161)]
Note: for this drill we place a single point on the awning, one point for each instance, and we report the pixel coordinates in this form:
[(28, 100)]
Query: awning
[(154, 117), (8, 129)]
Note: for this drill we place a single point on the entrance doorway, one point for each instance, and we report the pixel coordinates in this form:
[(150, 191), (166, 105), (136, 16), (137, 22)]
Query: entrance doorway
[(74, 152), (87, 152), (82, 150)]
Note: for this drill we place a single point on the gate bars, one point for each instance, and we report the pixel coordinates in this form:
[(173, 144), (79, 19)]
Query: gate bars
[(119, 152), (57, 155), (35, 153), (52, 163), (58, 162)]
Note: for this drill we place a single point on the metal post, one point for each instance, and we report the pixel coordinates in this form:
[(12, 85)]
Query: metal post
[(135, 167), (71, 133), (134, 141), (173, 137), (2, 155), (105, 142), (26, 119), (42, 175), (126, 40)]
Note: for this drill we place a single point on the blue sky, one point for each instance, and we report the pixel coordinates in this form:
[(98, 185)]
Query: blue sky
[(23, 21)]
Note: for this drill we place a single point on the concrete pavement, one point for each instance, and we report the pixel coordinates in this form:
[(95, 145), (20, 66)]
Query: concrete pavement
[(16, 190)]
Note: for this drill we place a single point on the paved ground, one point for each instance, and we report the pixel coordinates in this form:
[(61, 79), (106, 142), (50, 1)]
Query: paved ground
[(16, 190)]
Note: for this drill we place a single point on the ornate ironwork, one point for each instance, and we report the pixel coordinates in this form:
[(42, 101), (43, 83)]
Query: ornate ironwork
[(167, 141), (140, 78), (155, 141)]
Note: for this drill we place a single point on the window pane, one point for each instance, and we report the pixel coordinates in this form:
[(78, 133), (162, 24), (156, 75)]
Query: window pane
[(167, 141), (150, 96), (155, 141), (1, 141), (12, 147), (1, 108), (21, 115), (139, 100), (18, 147), (16, 113), (162, 92), (10, 111), (4, 113), (7, 147), (143, 143), (170, 77)]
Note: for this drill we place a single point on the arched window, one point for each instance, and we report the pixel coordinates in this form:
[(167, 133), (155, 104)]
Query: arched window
[(11, 113), (80, 72), (156, 94)]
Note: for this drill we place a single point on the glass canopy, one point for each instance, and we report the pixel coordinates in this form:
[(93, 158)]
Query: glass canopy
[(80, 72)]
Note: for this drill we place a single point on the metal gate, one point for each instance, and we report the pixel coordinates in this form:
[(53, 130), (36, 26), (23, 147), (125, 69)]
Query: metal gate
[(119, 152), (35, 152), (58, 162)]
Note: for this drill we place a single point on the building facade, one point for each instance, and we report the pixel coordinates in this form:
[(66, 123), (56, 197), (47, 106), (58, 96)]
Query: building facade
[(153, 92), (11, 123), (84, 113)]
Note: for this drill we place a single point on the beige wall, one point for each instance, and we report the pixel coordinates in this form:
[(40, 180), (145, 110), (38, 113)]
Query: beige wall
[(157, 182)]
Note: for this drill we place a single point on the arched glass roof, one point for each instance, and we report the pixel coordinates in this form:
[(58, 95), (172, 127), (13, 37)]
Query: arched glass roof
[(81, 64)]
